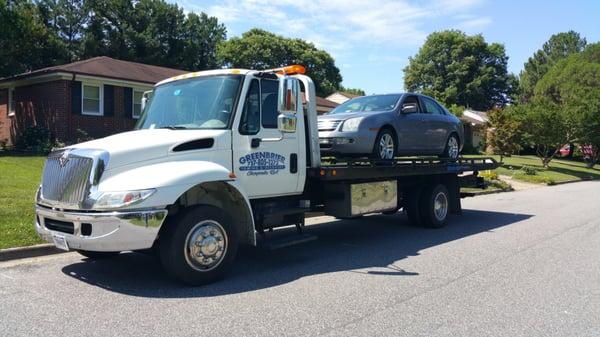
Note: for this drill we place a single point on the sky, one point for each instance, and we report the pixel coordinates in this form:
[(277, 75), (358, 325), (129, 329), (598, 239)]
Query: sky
[(371, 41)]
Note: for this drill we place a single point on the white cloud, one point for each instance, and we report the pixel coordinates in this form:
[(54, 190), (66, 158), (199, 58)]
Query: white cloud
[(475, 23)]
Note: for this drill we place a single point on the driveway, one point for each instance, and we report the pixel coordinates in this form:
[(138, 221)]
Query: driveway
[(514, 264)]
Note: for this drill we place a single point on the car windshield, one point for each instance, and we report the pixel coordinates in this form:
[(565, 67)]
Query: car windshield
[(196, 103), (368, 103)]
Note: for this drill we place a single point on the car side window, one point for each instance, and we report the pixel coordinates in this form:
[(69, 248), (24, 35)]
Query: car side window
[(269, 113), (412, 100), (432, 107), (250, 121)]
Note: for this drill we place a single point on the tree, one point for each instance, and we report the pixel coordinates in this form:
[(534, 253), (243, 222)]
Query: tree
[(505, 130), (25, 42), (558, 47), (547, 126), (66, 20), (259, 49), (202, 34), (573, 84), (462, 70), (352, 91)]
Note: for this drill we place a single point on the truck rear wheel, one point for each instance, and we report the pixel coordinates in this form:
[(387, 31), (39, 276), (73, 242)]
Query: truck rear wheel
[(200, 246), (434, 206)]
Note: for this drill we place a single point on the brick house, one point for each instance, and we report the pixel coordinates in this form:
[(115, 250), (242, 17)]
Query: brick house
[(100, 96)]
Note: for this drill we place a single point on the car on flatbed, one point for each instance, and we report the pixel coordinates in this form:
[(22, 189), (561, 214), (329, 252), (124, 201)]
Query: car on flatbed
[(218, 158), (390, 125)]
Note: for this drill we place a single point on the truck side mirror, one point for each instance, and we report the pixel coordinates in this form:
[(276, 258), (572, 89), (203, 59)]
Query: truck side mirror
[(145, 98), (289, 88), (286, 123)]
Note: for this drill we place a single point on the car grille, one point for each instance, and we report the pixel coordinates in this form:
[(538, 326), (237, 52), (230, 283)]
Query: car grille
[(328, 124), (66, 178)]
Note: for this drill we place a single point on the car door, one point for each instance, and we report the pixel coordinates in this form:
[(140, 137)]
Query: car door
[(435, 126), (265, 160), (408, 127)]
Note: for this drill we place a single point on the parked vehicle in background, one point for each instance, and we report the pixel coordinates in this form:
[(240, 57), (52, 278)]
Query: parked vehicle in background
[(386, 126)]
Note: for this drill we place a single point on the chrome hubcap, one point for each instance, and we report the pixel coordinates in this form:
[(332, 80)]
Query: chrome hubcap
[(205, 245), (386, 146), (440, 206), (452, 148)]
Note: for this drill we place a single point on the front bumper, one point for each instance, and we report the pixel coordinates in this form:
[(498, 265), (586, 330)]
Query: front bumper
[(336, 142), (103, 231)]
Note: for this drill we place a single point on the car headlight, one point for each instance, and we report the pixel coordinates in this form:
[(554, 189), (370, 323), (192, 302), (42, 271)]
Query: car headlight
[(121, 198), (351, 124)]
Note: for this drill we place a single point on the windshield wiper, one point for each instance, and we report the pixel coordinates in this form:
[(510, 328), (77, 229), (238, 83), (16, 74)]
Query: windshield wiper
[(173, 127)]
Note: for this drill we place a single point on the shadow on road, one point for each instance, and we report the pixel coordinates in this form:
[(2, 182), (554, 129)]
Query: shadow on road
[(349, 245)]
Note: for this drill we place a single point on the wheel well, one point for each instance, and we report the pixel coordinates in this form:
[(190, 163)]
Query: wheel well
[(222, 195), (391, 128)]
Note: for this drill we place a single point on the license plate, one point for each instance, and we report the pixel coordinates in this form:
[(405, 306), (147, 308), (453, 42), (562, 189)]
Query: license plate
[(60, 242)]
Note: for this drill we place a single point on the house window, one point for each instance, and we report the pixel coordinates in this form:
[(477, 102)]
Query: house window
[(11, 101), (137, 104), (92, 100)]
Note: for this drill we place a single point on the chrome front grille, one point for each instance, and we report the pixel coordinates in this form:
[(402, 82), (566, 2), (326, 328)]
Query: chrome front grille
[(66, 178), (328, 124)]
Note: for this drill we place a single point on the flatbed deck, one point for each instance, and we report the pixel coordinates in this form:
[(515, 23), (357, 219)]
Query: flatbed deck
[(364, 169)]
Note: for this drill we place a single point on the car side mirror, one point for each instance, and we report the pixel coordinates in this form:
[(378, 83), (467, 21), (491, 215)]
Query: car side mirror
[(145, 98), (286, 123), (289, 89), (409, 108)]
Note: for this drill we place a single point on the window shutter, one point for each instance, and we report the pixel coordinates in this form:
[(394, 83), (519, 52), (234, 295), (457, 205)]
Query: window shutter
[(109, 100), (76, 97), (128, 102)]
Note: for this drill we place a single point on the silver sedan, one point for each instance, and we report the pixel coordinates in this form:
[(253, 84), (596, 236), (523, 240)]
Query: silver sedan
[(386, 126)]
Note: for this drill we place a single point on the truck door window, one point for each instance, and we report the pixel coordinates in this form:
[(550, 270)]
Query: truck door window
[(269, 94), (250, 121)]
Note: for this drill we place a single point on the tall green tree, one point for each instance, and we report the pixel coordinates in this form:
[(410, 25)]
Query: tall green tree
[(25, 41), (505, 133), (202, 34), (259, 49), (573, 84), (66, 20), (558, 47), (461, 70)]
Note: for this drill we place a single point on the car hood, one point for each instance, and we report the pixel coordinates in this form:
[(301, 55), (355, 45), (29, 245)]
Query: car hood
[(141, 145)]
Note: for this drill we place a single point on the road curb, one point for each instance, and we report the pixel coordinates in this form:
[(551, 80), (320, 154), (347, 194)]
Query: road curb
[(29, 251)]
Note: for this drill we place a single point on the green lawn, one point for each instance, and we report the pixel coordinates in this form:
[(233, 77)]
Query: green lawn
[(19, 179), (560, 170)]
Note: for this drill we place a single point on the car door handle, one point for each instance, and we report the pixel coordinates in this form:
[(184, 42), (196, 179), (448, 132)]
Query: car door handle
[(255, 142)]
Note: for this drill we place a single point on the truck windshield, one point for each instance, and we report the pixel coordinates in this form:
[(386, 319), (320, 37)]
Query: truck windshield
[(196, 103), (368, 103)]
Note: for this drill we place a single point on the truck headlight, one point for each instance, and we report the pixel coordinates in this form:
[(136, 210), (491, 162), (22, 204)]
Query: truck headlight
[(121, 198), (351, 124)]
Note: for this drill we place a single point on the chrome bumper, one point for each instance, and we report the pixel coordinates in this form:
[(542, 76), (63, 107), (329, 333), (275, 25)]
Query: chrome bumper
[(110, 231)]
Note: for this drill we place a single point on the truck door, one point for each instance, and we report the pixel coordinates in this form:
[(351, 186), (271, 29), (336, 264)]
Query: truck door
[(265, 160)]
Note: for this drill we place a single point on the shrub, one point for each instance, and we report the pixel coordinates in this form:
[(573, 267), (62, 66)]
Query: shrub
[(489, 175), (528, 170), (82, 136), (37, 139)]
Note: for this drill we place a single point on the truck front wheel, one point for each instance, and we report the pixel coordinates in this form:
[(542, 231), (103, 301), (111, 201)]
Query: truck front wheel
[(200, 246)]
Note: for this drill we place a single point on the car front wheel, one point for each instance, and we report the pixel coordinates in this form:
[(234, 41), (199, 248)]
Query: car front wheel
[(385, 145)]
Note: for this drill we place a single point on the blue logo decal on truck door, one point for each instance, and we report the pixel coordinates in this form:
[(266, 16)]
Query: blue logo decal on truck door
[(262, 163)]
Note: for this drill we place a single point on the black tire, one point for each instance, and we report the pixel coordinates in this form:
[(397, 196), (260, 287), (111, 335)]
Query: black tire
[(450, 152), (97, 255), (176, 257), (389, 135), (430, 215), (411, 206)]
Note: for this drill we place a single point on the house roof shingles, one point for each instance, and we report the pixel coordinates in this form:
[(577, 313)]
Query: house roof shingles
[(107, 67)]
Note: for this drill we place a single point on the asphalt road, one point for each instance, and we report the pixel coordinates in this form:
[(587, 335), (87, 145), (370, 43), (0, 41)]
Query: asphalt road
[(523, 263)]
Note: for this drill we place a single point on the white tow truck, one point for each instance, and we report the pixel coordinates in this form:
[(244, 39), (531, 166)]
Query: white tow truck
[(218, 158)]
